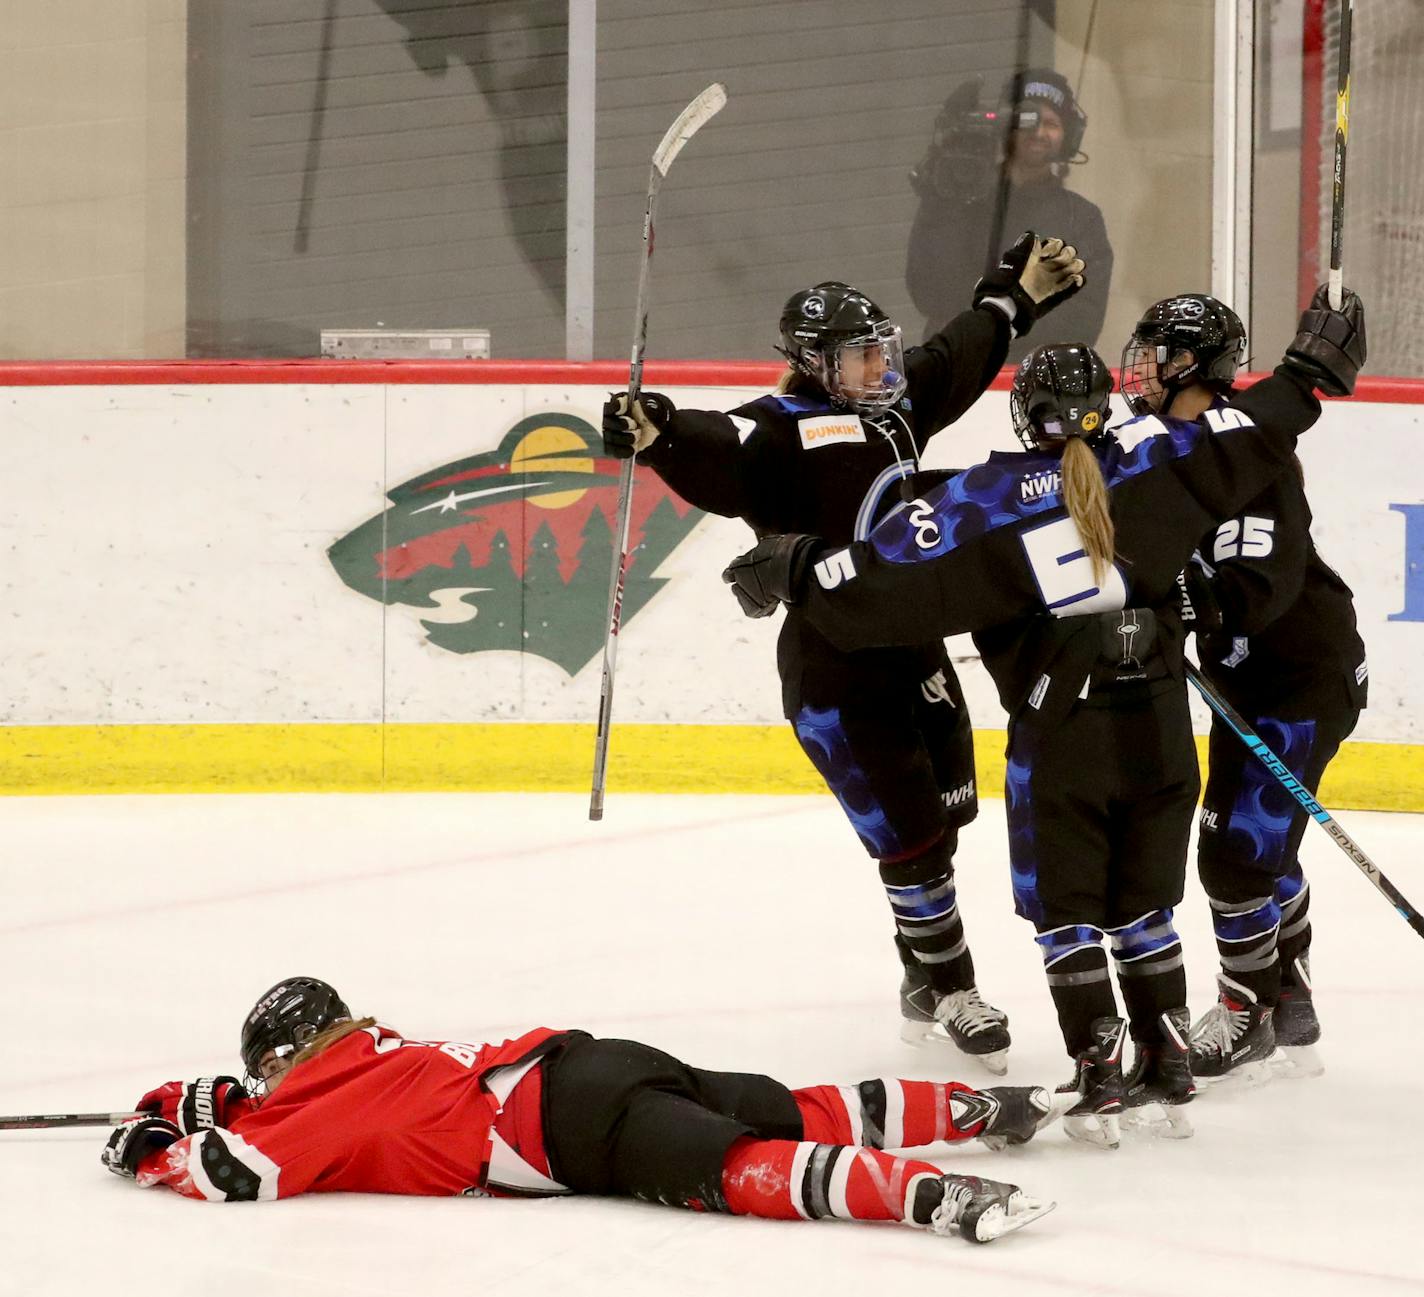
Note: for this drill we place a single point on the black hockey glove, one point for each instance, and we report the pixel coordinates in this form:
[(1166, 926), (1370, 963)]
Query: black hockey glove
[(771, 574), (625, 431), (1330, 344), (1018, 1113), (135, 1140), (1032, 277)]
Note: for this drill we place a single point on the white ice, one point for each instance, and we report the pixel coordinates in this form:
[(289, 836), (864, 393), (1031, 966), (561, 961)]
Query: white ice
[(745, 933)]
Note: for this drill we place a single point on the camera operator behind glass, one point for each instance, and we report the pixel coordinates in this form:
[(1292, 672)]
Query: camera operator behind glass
[(989, 174)]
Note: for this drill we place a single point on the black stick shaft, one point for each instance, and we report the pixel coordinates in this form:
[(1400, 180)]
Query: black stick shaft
[(52, 1120), (1303, 795), (1342, 140)]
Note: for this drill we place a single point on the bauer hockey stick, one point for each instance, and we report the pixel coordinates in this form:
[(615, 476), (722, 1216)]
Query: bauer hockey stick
[(1342, 138), (1303, 795), (692, 118), (49, 1121)]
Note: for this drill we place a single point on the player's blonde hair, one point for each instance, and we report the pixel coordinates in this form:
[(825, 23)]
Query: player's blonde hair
[(1085, 494)]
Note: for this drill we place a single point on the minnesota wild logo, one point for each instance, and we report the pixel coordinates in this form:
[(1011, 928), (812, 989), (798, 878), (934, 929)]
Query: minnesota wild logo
[(512, 549)]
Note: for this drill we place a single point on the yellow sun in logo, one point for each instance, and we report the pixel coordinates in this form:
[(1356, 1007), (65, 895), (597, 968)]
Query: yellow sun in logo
[(547, 450), (1091, 421)]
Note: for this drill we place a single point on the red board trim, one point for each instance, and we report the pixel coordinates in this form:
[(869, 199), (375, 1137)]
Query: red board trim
[(612, 374)]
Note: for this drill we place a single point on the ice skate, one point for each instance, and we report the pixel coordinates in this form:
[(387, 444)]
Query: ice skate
[(1234, 1037), (980, 1210), (1160, 1082), (961, 1018), (1094, 1117), (1296, 1026)]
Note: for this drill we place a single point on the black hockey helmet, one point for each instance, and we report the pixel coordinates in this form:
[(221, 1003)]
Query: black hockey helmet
[(1045, 86), (836, 336), (1201, 338), (285, 1019), (1060, 391)]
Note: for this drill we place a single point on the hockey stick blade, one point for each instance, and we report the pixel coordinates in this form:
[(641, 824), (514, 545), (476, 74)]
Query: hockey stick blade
[(691, 120), (55, 1120)]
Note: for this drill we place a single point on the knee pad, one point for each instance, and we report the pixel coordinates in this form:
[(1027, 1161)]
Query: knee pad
[(1150, 940)]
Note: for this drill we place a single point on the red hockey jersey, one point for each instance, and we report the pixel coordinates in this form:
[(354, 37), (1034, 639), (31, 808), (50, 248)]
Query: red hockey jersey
[(376, 1113)]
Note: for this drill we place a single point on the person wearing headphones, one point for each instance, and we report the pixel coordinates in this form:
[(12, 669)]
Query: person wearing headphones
[(978, 179)]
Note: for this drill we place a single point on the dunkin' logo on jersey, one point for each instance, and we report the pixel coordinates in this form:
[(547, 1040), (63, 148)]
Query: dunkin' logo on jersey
[(511, 549), (827, 429), (1037, 485)]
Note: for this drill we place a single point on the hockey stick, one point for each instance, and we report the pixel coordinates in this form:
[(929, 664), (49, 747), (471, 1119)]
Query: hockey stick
[(1302, 794), (692, 118), (1342, 139), (50, 1121)]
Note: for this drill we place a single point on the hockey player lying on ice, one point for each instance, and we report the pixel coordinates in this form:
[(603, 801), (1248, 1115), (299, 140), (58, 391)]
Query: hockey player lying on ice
[(337, 1104)]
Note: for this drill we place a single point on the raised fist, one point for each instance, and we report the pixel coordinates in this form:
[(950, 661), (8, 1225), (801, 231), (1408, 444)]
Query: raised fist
[(1032, 277), (1330, 344)]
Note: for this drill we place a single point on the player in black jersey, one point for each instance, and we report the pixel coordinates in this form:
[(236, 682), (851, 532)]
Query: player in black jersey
[(836, 447), (995, 550), (1276, 636)]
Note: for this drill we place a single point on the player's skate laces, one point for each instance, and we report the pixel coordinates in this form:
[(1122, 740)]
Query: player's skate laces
[(1235, 1033), (978, 1209), (975, 1027)]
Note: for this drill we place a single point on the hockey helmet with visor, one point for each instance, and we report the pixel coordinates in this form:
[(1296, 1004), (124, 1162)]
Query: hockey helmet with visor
[(836, 336)]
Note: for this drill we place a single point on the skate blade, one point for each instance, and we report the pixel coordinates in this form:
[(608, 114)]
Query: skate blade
[(1101, 1130), (996, 1222), (1158, 1121), (1246, 1077), (930, 1035), (1297, 1062)]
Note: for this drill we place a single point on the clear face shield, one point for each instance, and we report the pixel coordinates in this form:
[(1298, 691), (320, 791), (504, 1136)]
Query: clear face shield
[(868, 373)]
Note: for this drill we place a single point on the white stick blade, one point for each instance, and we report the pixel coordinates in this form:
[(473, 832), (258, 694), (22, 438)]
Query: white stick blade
[(692, 118)]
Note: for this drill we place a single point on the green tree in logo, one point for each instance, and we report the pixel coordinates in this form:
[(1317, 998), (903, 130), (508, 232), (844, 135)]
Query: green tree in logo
[(513, 547)]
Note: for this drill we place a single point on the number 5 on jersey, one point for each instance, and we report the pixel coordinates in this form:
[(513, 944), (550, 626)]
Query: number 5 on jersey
[(1064, 572)]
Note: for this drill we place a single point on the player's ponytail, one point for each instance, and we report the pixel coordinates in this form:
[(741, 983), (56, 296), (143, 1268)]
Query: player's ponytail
[(1085, 494), (327, 1037)]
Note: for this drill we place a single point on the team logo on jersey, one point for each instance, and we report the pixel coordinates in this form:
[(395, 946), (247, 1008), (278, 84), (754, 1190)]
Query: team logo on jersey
[(927, 530), (511, 549), (830, 429), (1038, 485)]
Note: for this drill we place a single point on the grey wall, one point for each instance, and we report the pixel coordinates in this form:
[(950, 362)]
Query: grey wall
[(420, 182)]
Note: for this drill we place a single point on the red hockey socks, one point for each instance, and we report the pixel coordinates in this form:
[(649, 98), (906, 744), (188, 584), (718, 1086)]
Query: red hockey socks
[(783, 1180), (887, 1113)]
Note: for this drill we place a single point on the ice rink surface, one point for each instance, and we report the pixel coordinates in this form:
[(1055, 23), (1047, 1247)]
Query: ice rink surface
[(745, 933)]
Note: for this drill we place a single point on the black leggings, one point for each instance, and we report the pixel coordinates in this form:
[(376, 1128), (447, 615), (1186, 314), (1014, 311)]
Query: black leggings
[(625, 1118)]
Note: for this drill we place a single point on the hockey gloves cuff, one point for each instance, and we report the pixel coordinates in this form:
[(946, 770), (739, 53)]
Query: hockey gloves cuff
[(134, 1141), (1032, 277), (1330, 344), (197, 1105), (771, 574), (626, 431)]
